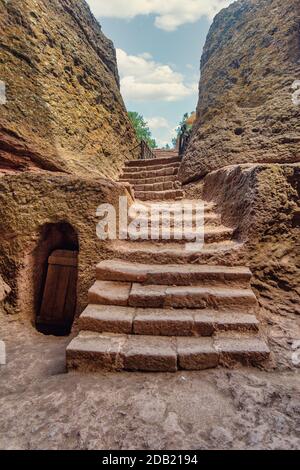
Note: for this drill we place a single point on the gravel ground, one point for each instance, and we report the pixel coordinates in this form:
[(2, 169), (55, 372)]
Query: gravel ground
[(42, 407)]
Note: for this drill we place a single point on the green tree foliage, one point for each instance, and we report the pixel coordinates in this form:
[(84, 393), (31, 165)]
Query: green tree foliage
[(142, 129), (186, 116), (183, 125)]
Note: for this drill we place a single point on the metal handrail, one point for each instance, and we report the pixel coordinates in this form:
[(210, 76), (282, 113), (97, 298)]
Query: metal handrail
[(145, 152)]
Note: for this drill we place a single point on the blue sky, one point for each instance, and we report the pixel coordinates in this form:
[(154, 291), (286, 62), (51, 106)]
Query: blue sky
[(159, 45)]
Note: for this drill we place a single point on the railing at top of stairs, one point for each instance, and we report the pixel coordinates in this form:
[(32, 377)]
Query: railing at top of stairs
[(184, 138), (143, 151)]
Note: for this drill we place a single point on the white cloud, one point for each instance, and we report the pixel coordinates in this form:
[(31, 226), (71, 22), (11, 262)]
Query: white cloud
[(143, 79), (169, 15), (145, 55), (158, 122), (161, 129)]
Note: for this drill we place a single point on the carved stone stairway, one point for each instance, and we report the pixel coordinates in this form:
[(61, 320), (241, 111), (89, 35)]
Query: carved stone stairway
[(156, 307), (154, 179)]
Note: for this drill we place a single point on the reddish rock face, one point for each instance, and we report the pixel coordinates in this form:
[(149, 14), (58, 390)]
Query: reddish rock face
[(263, 203), (63, 107), (245, 112), (4, 290)]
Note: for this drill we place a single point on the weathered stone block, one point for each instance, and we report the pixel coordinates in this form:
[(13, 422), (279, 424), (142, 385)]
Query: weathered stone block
[(149, 354), (196, 353)]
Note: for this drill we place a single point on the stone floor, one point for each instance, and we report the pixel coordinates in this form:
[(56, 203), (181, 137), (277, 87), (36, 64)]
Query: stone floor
[(41, 407)]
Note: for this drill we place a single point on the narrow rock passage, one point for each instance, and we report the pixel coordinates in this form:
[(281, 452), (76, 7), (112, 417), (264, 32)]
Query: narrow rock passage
[(152, 309)]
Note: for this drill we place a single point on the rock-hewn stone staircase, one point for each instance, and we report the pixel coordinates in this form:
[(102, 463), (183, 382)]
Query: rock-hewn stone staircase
[(157, 307), (154, 179)]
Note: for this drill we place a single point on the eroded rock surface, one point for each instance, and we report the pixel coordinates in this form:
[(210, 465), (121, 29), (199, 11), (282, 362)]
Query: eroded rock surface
[(4, 290), (63, 110), (245, 112), (263, 203)]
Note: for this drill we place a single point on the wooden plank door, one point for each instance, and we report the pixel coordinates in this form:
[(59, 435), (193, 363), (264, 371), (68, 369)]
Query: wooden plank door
[(59, 297)]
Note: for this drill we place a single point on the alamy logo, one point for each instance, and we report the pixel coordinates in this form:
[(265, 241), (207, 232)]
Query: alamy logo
[(2, 353), (296, 94), (2, 92), (156, 221), (296, 353)]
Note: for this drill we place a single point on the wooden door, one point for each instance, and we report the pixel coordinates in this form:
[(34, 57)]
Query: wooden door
[(59, 297)]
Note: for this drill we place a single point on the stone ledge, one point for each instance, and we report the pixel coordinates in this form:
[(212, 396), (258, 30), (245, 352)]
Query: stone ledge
[(94, 351), (165, 322)]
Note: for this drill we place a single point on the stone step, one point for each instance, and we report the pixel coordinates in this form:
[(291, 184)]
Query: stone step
[(248, 350), (211, 235), (159, 179), (161, 253), (164, 296), (194, 297), (159, 195), (164, 322), (137, 169), (210, 219), (110, 293), (182, 275), (92, 351), (174, 206), (167, 154), (169, 185), (152, 162), (142, 174)]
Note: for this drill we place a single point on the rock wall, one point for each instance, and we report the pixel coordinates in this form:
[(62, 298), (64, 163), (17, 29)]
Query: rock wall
[(64, 135), (63, 111), (245, 112), (262, 202), (4, 290), (40, 213)]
